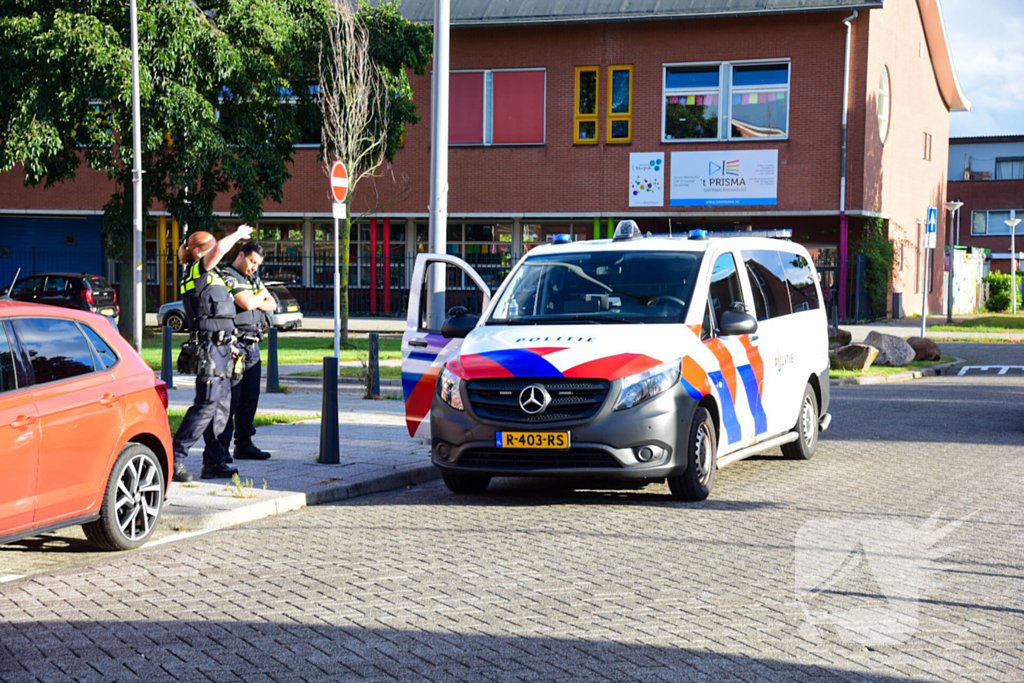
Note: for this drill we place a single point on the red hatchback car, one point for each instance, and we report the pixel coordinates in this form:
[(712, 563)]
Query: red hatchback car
[(84, 437)]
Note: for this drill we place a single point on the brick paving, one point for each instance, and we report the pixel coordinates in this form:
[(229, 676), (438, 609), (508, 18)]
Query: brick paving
[(834, 569)]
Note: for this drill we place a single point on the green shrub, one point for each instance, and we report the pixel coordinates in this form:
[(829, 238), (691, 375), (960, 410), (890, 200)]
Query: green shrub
[(999, 291), (881, 255)]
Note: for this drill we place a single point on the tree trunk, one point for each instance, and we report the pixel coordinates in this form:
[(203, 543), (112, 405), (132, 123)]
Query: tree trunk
[(344, 258)]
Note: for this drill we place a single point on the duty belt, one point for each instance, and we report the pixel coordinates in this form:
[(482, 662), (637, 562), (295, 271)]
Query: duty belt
[(251, 338), (217, 337)]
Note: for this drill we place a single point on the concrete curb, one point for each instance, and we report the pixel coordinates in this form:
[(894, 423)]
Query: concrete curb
[(908, 376), (186, 509)]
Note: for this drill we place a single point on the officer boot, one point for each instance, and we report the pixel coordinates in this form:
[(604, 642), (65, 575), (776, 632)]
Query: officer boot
[(180, 473), (246, 450)]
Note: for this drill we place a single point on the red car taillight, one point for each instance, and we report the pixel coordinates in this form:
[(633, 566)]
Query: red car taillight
[(87, 296), (161, 391), (115, 296)]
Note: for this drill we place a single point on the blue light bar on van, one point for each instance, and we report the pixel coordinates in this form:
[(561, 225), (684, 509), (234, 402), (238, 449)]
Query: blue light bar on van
[(561, 239), (783, 234)]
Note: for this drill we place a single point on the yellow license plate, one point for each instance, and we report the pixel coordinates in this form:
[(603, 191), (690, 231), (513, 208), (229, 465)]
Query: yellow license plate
[(108, 311), (549, 440), (292, 309)]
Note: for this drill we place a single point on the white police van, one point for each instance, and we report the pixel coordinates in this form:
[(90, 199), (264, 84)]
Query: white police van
[(639, 358)]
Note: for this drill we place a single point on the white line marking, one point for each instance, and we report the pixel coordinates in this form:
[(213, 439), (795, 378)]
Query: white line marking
[(11, 577), (178, 537), (1003, 369)]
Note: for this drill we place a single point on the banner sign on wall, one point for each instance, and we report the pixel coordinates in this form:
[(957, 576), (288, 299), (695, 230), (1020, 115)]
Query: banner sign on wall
[(724, 178), (646, 179)]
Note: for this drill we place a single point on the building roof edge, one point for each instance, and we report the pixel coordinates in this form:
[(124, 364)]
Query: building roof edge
[(942, 57)]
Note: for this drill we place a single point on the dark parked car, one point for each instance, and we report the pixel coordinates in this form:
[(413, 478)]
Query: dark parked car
[(68, 290), (287, 316)]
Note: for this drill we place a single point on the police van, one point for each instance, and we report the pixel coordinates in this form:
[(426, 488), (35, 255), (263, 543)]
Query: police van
[(636, 358)]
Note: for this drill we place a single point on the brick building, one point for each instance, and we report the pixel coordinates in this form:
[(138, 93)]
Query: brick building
[(987, 175), (566, 117)]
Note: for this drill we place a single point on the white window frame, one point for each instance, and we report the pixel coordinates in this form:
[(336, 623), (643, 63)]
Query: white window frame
[(1019, 230), (883, 133), (724, 93), (488, 109)]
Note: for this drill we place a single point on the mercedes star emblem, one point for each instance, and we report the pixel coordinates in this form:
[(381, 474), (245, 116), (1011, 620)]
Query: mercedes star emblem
[(534, 399)]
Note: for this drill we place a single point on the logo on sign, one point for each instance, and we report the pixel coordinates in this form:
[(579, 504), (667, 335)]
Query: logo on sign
[(725, 168), (725, 174)]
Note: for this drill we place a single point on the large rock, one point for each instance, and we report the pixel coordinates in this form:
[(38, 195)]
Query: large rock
[(924, 349), (857, 357), (892, 350), (839, 338)]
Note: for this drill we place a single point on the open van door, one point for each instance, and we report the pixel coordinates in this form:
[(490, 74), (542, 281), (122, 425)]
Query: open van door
[(424, 349)]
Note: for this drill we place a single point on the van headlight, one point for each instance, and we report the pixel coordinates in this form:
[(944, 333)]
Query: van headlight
[(648, 384), (448, 389)]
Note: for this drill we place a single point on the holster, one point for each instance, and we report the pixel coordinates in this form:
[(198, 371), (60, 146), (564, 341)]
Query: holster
[(205, 367), (187, 360)]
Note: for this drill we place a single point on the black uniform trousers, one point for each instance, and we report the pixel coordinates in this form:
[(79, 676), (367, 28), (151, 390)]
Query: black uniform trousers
[(210, 409), (245, 398)]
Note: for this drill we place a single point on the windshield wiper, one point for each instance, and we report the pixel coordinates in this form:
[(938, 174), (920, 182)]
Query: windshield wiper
[(543, 319)]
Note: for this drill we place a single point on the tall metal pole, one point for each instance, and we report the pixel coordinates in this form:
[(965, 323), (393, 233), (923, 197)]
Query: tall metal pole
[(952, 208), (924, 293), (337, 289), (439, 162), (1013, 259), (139, 309)]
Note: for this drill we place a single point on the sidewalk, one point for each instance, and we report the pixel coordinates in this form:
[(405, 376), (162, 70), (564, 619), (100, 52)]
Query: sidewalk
[(911, 327), (377, 454)]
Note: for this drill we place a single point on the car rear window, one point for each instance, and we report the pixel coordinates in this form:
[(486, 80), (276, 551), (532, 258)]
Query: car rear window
[(98, 283), (56, 348), (8, 380)]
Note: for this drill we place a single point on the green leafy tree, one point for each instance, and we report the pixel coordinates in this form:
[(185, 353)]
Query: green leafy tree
[(999, 290), (223, 83), (366, 99), (881, 259)]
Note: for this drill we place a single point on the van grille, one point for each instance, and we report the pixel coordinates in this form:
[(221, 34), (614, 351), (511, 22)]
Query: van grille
[(510, 459), (497, 400)]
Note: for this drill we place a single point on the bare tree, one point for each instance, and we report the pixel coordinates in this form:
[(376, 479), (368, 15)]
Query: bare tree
[(353, 101)]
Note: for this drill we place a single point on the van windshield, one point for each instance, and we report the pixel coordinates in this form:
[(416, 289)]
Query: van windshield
[(599, 287)]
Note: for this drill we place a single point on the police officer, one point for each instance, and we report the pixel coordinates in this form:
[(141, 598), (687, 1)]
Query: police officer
[(211, 313), (252, 303)]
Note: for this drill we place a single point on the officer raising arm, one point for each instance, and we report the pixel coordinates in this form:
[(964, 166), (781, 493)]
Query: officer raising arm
[(252, 301), (209, 305)]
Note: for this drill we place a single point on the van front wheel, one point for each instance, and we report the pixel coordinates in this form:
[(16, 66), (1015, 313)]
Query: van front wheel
[(696, 482), (465, 483), (806, 429)]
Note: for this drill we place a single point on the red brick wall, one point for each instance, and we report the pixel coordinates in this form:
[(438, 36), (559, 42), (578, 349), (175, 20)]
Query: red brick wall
[(894, 178), (989, 195)]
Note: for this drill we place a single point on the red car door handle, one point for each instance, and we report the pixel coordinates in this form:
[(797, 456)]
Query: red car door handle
[(23, 421), (108, 400)]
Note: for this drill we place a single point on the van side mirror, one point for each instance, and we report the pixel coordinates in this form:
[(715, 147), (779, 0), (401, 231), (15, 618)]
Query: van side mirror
[(734, 323), (459, 323)]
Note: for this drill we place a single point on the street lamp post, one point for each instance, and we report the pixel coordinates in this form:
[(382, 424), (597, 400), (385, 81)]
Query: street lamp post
[(137, 303), (952, 208), (1012, 222)]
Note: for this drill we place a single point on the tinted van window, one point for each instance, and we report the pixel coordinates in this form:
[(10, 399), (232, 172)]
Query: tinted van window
[(104, 354), (8, 381), (57, 349), (800, 277), (768, 283), (725, 285)]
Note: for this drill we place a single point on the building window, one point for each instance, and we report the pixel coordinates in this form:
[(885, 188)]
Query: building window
[(883, 104), (692, 102), (926, 150), (760, 101), (994, 223), (620, 104), (754, 97), (1010, 168), (501, 107), (586, 99), (282, 246)]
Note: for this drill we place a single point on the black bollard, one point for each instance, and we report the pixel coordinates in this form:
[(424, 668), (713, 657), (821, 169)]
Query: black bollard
[(330, 453), (374, 365), (166, 366), (273, 383)]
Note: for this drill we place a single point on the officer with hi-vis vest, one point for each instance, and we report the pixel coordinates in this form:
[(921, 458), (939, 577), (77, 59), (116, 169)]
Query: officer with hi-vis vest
[(252, 303), (210, 310)]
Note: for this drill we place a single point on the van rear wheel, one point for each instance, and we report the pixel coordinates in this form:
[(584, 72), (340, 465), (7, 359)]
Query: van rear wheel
[(806, 429), (696, 482), (465, 483)]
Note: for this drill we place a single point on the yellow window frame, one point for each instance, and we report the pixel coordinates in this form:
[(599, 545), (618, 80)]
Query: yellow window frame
[(579, 118), (620, 116)]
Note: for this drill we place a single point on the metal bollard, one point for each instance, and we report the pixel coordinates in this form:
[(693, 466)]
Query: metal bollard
[(166, 364), (374, 365), (273, 383), (330, 453)]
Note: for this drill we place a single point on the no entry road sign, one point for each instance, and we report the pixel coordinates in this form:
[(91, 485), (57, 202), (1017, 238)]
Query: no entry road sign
[(339, 181)]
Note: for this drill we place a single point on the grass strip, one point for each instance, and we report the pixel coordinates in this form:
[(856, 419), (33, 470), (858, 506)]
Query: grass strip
[(984, 323), (290, 350), (876, 370), (386, 372), (175, 416)]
